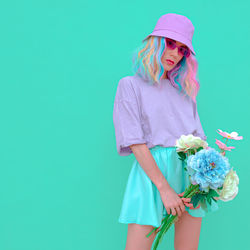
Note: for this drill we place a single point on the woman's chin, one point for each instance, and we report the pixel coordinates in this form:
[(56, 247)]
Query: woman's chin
[(168, 67)]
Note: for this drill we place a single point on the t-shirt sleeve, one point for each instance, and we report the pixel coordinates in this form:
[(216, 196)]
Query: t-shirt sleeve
[(199, 130), (126, 118)]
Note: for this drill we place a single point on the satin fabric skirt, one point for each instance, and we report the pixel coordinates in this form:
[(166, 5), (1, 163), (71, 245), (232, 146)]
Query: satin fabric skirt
[(142, 202)]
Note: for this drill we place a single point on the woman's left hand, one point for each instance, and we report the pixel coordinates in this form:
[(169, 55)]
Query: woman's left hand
[(187, 203)]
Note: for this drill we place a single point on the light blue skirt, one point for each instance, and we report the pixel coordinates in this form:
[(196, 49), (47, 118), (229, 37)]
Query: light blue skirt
[(142, 202)]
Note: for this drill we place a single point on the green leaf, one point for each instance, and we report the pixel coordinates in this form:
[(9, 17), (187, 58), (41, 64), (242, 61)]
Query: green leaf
[(209, 200), (192, 151), (198, 149), (195, 199), (209, 194), (182, 155), (213, 193), (203, 198)]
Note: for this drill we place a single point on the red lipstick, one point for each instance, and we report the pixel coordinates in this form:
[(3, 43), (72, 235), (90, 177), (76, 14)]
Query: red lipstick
[(170, 62)]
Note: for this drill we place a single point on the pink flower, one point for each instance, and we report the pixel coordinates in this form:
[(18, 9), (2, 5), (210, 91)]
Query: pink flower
[(233, 135), (223, 146)]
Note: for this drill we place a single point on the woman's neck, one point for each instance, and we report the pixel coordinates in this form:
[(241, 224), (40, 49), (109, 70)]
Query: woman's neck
[(165, 75)]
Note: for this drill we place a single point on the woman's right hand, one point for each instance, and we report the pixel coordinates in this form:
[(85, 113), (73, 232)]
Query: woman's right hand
[(172, 202)]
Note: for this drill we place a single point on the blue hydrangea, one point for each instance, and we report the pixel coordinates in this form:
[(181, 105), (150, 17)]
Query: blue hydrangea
[(208, 168)]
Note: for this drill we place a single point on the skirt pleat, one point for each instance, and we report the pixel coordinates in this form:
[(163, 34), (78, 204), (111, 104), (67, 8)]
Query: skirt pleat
[(142, 202)]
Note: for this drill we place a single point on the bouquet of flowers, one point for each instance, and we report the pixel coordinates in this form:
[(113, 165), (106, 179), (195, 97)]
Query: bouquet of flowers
[(210, 175)]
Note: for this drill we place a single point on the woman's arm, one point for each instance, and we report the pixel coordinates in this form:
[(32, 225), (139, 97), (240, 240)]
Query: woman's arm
[(171, 200), (147, 162)]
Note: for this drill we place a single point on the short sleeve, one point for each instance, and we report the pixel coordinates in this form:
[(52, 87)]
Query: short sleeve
[(126, 118), (199, 130)]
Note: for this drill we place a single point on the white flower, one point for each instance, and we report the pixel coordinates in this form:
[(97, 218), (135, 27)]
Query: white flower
[(186, 142), (230, 186)]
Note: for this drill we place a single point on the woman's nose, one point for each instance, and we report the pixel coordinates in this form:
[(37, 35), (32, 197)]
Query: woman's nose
[(175, 51)]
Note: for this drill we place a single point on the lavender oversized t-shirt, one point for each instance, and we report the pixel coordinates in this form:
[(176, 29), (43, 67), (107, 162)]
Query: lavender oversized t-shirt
[(152, 114)]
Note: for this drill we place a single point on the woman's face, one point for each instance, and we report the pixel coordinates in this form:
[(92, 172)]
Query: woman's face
[(172, 55)]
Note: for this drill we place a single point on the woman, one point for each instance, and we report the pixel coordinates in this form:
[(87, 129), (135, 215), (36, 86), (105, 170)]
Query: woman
[(152, 109)]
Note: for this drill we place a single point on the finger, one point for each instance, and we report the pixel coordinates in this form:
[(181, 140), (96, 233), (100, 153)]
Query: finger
[(173, 211), (178, 211), (182, 206), (181, 194), (196, 207), (186, 199), (188, 205), (168, 210), (192, 207)]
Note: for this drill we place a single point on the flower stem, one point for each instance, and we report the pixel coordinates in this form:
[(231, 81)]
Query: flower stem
[(170, 219), (162, 223), (164, 229)]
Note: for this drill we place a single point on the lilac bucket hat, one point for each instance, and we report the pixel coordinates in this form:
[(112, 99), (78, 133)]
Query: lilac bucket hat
[(176, 27)]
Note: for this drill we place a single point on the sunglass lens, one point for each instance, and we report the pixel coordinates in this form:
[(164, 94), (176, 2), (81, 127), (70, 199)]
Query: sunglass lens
[(185, 52), (171, 44)]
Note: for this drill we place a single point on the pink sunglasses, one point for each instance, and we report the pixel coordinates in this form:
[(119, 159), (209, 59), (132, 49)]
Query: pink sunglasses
[(181, 50)]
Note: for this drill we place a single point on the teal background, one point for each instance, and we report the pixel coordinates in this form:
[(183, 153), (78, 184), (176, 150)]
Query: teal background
[(61, 180)]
